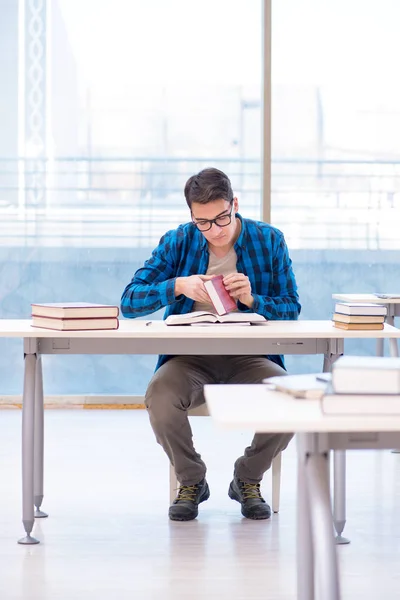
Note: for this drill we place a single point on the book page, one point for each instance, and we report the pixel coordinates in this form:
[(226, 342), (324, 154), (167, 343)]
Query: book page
[(308, 386), (234, 317), (198, 314), (193, 317), (219, 324)]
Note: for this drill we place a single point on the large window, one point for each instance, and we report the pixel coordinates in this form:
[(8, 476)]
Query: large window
[(335, 149), (110, 106)]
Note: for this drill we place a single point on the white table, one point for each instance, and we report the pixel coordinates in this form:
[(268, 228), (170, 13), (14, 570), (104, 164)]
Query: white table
[(271, 412), (393, 310), (138, 337)]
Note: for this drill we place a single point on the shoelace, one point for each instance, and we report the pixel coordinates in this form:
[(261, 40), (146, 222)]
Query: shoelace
[(187, 492), (251, 490)]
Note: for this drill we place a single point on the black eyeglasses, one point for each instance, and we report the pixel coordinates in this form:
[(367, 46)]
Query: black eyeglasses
[(206, 224)]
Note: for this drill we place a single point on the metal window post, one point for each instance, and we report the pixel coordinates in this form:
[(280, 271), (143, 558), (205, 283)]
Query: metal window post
[(266, 112)]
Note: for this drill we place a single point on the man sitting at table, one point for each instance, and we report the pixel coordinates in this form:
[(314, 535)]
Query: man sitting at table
[(254, 259)]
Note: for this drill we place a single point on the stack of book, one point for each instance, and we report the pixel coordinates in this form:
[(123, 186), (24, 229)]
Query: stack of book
[(74, 316), (352, 315), (364, 385)]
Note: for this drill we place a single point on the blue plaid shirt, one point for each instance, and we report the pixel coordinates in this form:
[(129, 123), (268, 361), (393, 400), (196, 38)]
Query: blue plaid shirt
[(262, 255)]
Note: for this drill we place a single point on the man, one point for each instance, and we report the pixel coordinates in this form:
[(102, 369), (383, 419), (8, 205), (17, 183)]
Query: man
[(254, 260)]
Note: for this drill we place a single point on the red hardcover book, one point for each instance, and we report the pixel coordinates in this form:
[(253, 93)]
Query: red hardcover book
[(80, 324), (220, 297), (74, 310)]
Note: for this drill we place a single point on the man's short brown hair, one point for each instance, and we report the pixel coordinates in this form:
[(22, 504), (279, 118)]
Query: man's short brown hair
[(207, 186)]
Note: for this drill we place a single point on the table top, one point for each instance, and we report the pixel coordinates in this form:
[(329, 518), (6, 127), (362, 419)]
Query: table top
[(256, 408), (137, 329), (371, 298)]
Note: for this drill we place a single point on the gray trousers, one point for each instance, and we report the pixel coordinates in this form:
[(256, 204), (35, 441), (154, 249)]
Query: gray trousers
[(177, 386)]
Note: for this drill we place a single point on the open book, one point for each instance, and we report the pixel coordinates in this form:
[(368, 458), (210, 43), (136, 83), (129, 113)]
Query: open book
[(310, 387), (202, 316), (387, 296)]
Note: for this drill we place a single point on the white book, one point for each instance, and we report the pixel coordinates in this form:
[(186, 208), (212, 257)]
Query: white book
[(310, 387), (203, 316), (360, 404), (358, 318), (366, 375), (360, 308)]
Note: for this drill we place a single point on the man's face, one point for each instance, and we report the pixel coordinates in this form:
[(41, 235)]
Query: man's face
[(222, 233)]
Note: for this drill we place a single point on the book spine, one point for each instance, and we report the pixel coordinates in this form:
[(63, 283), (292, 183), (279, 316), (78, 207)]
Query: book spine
[(83, 329), (216, 300), (365, 381), (72, 318)]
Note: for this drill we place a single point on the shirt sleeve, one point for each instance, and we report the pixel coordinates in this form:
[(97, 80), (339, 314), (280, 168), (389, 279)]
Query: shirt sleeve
[(282, 303), (153, 285)]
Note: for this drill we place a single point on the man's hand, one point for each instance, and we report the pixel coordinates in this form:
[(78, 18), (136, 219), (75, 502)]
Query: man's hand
[(238, 286), (192, 287)]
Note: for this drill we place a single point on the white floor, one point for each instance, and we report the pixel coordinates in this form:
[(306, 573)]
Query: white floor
[(108, 535)]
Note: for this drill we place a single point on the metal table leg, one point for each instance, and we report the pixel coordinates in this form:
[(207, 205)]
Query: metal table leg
[(39, 441), (28, 417), (327, 575), (379, 346), (305, 552), (339, 494), (339, 475), (394, 349)]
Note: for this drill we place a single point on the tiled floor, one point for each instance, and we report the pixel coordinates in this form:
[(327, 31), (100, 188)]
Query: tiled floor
[(108, 535)]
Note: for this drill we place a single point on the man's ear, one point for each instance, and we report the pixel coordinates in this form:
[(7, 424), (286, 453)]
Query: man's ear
[(235, 204)]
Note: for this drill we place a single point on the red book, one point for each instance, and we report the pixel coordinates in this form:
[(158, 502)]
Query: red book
[(80, 324), (220, 297), (74, 310)]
